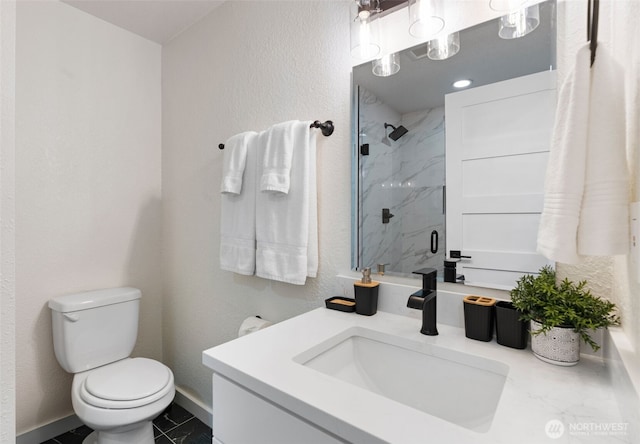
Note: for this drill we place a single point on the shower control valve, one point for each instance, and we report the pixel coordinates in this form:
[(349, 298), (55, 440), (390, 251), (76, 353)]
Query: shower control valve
[(386, 215)]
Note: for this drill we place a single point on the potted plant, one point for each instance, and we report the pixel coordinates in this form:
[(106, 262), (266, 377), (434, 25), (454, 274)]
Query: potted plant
[(560, 315)]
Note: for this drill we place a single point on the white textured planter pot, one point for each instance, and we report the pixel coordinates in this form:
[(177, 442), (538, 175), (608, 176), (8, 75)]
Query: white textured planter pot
[(559, 346)]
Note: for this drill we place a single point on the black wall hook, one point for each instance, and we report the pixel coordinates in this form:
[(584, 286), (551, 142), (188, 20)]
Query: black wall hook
[(592, 27)]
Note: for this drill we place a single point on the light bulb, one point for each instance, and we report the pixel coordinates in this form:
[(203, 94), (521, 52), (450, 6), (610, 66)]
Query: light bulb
[(387, 65)]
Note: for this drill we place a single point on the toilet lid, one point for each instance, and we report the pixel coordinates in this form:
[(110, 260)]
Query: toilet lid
[(126, 382)]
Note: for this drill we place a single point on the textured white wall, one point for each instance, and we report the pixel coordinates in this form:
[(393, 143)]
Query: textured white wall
[(611, 278), (245, 67), (7, 222), (88, 116)]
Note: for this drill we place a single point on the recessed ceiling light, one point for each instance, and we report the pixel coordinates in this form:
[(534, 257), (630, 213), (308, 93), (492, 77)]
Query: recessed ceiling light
[(462, 83)]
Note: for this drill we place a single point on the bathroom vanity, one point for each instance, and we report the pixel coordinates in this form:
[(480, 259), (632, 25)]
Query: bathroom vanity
[(328, 377)]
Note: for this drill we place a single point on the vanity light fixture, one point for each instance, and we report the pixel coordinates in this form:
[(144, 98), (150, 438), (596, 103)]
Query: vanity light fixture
[(387, 65), (459, 84), (443, 47), (365, 30), (519, 23), (425, 19)]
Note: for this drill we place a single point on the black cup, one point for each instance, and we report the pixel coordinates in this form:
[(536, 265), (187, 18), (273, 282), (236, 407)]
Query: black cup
[(510, 330)]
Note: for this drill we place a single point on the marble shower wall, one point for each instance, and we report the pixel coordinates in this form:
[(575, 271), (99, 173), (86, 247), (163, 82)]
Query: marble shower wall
[(406, 176), (376, 171)]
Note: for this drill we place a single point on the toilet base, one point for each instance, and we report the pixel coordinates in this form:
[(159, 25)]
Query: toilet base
[(141, 433)]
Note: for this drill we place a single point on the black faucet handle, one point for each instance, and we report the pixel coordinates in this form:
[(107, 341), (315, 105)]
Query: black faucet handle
[(426, 299), (429, 279), (457, 254)]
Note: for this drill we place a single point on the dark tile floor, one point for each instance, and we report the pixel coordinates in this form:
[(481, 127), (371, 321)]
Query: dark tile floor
[(173, 426)]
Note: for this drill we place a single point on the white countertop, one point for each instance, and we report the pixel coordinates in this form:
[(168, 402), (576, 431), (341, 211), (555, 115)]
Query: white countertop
[(535, 392)]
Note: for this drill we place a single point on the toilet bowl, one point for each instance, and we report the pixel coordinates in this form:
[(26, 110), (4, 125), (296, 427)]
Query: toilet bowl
[(120, 400), (116, 395)]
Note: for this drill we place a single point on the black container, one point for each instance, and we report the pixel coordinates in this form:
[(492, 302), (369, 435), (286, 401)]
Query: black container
[(366, 298), (478, 317), (450, 271), (510, 330), (341, 304)]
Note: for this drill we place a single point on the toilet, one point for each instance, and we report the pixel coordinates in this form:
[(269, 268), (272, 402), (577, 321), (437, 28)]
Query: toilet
[(117, 396)]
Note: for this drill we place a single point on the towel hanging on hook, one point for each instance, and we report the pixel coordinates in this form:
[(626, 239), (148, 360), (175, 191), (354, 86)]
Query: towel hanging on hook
[(592, 27)]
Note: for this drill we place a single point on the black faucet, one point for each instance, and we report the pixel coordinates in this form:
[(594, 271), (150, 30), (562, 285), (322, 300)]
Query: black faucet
[(425, 300)]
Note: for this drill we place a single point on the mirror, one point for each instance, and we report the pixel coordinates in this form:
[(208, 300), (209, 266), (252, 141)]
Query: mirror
[(399, 126)]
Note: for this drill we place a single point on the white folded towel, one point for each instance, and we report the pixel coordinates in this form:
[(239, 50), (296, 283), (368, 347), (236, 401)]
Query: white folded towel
[(234, 161), (277, 157), (587, 185), (238, 215), (286, 228)]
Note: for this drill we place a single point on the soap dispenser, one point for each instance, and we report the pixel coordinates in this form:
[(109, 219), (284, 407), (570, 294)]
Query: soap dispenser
[(366, 292)]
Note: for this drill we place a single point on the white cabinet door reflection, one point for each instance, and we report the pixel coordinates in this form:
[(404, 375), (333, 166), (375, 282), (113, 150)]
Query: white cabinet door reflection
[(498, 140)]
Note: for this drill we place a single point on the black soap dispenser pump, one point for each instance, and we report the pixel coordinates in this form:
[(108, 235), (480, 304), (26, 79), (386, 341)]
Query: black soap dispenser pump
[(366, 292)]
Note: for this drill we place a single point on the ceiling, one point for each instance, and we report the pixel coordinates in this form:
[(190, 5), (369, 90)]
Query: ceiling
[(420, 84), (483, 57), (156, 20)]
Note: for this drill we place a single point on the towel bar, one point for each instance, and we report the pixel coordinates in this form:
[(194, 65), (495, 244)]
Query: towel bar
[(326, 128)]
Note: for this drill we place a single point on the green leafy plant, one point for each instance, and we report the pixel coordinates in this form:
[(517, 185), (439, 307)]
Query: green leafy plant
[(568, 305)]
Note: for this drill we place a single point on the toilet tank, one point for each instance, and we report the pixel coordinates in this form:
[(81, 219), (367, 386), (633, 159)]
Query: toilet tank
[(94, 328)]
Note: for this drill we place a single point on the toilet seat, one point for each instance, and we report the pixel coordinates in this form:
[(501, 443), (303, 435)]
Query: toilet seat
[(126, 384)]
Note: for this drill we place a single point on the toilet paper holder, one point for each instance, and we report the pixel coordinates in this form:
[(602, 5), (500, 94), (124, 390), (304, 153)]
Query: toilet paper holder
[(252, 324)]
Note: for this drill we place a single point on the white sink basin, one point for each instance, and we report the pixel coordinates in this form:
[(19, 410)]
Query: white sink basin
[(460, 388)]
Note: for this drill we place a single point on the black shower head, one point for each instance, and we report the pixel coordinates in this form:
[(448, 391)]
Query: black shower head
[(397, 132)]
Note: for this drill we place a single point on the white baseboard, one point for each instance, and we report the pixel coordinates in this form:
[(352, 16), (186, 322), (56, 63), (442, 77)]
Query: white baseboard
[(63, 425), (48, 431), (195, 406)]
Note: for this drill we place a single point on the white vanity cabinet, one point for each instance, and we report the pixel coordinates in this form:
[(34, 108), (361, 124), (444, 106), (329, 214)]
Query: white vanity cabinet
[(241, 416)]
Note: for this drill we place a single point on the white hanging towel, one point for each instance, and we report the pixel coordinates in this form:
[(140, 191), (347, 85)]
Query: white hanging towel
[(277, 157), (587, 184), (286, 224), (237, 209), (234, 162)]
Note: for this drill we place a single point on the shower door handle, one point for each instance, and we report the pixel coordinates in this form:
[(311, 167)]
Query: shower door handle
[(434, 242)]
